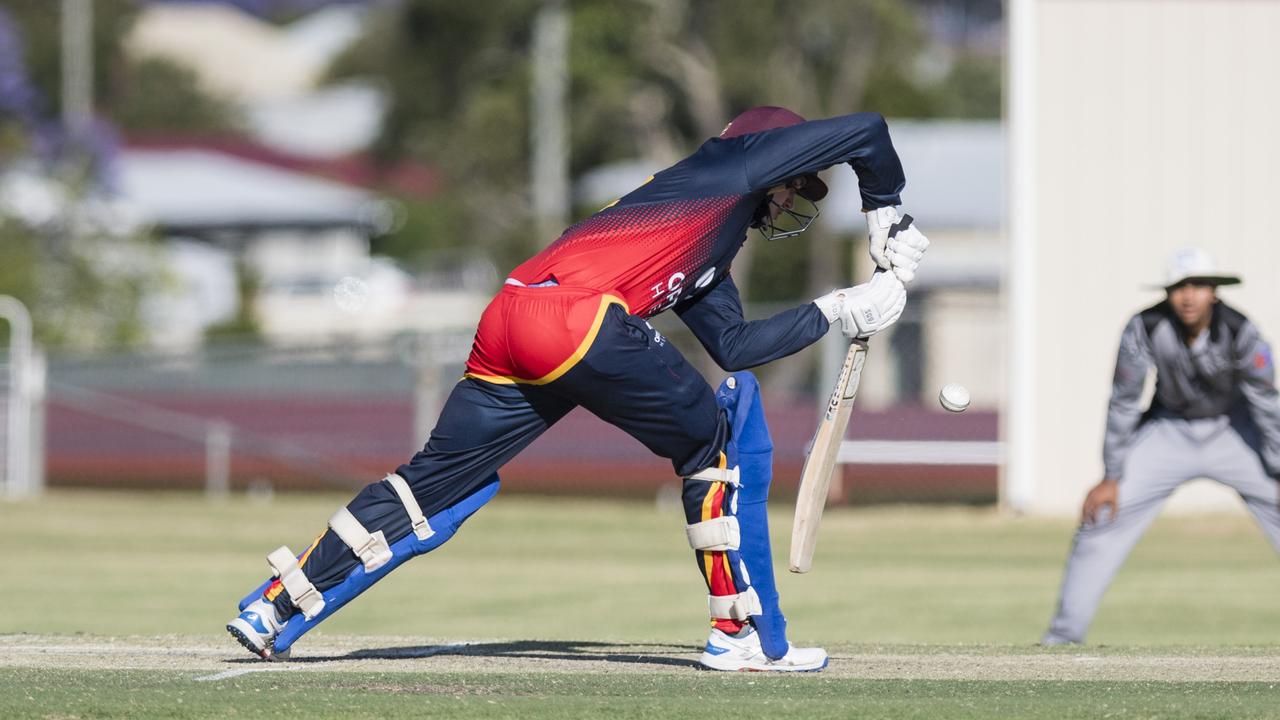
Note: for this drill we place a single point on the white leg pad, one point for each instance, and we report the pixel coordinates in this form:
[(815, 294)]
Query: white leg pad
[(716, 474), (421, 527), (737, 607), (721, 533), (284, 565), (371, 548)]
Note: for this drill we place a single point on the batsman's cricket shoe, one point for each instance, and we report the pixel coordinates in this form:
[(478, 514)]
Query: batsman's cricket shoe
[(742, 652), (256, 629)]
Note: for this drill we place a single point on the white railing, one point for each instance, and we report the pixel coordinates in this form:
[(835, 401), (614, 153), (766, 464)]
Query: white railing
[(920, 452), (22, 474)]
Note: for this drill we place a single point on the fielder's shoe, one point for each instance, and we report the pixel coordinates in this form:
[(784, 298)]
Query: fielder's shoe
[(1052, 639), (742, 652), (256, 629)]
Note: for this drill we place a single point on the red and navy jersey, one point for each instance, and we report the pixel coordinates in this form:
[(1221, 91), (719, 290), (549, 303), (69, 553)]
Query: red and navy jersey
[(670, 241)]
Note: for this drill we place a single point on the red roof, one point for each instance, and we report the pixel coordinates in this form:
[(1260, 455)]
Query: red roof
[(405, 178)]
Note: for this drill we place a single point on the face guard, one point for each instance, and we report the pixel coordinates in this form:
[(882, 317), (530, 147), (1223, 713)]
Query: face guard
[(789, 222)]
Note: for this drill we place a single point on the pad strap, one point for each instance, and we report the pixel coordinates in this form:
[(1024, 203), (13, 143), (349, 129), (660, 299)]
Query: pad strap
[(421, 528), (717, 534), (715, 474), (371, 548), (737, 607), (284, 564)]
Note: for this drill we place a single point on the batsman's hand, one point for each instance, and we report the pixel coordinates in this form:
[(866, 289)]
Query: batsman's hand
[(905, 249), (866, 309), (896, 244), (879, 221), (1101, 496)]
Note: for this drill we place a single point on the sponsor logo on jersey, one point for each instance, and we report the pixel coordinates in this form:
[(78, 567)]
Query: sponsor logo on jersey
[(668, 294)]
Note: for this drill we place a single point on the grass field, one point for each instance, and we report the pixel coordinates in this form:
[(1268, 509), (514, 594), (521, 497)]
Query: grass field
[(112, 606)]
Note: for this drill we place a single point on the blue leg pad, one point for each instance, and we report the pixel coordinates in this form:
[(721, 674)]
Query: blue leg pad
[(751, 448), (445, 523)]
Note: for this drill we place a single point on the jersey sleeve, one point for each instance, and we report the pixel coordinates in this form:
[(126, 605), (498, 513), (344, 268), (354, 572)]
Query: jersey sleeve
[(1124, 410), (735, 343), (1255, 372), (861, 139)]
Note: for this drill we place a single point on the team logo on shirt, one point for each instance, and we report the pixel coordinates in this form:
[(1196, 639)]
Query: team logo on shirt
[(1262, 358), (670, 292)]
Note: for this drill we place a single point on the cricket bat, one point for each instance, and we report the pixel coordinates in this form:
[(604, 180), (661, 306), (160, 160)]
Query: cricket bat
[(815, 480)]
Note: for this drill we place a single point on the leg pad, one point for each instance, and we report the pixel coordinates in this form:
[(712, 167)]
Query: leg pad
[(444, 524)]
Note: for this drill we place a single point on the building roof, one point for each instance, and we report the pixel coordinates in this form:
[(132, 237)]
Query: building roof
[(193, 190), (955, 176)]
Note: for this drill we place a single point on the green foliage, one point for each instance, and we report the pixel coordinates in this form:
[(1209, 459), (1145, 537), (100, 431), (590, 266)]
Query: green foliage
[(83, 292), (139, 94), (457, 75), (164, 96), (648, 78), (439, 217), (40, 20), (972, 88)]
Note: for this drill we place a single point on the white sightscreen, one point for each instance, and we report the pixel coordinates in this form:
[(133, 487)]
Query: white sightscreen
[(1140, 127)]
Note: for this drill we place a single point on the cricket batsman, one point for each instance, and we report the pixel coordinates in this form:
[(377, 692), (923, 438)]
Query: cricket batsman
[(570, 328), (1215, 414)]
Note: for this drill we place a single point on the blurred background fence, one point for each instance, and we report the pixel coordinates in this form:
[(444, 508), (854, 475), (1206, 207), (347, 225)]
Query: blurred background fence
[(343, 414)]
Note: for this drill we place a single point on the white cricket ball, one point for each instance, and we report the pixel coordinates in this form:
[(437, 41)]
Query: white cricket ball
[(351, 294), (954, 397)]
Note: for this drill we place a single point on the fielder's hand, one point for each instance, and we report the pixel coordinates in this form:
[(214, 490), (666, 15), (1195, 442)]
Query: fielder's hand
[(864, 310), (1103, 495)]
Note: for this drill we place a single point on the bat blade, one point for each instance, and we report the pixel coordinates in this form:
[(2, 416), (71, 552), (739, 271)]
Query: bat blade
[(815, 480)]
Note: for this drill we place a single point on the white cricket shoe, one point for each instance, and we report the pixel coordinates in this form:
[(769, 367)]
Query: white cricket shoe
[(256, 629), (742, 652)]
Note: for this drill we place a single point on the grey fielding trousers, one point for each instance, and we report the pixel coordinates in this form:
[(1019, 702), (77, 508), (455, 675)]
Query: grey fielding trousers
[(1166, 453)]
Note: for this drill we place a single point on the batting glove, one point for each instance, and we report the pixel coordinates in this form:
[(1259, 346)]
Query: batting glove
[(864, 310), (879, 221), (905, 249)]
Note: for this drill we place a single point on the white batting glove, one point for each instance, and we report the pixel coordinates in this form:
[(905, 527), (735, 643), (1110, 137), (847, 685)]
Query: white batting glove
[(864, 310), (878, 223), (905, 248)]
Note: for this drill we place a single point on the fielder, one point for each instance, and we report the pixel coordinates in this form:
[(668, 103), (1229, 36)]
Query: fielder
[(1215, 414), (570, 328)]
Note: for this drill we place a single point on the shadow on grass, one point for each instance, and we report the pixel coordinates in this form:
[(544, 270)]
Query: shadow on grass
[(630, 653)]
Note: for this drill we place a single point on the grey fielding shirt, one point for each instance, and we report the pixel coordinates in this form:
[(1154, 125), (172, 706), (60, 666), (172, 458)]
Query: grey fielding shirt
[(1227, 369)]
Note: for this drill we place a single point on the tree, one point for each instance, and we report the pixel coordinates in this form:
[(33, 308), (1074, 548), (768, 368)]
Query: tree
[(84, 290), (82, 284), (164, 97)]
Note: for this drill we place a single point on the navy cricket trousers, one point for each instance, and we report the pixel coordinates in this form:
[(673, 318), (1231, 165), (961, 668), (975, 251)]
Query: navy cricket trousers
[(631, 377)]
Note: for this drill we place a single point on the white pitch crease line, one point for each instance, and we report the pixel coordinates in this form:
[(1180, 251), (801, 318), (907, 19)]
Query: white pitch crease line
[(225, 674)]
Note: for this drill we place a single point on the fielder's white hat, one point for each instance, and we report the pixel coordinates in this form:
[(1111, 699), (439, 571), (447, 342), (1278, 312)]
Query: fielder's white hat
[(1193, 264)]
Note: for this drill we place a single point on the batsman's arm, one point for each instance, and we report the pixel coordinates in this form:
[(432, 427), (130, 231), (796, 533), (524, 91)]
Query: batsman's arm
[(1124, 410), (735, 343), (861, 139)]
